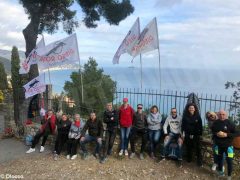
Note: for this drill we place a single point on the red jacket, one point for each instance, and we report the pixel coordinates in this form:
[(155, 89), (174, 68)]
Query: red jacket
[(51, 121), (126, 116)]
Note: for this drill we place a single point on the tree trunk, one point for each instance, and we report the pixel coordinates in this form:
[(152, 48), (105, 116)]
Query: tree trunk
[(30, 34)]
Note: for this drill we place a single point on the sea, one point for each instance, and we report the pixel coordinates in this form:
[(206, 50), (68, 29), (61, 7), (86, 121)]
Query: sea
[(206, 81)]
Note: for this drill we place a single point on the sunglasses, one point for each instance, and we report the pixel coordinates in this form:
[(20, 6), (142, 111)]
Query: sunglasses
[(139, 107), (174, 112)]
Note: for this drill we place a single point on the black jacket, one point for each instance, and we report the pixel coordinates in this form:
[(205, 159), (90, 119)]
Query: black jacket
[(224, 126), (95, 128), (140, 121), (111, 124), (63, 127), (192, 125)]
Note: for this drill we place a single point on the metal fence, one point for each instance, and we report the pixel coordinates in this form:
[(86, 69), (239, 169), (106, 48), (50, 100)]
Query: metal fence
[(168, 99)]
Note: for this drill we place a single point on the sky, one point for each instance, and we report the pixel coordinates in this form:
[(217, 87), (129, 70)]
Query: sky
[(193, 34)]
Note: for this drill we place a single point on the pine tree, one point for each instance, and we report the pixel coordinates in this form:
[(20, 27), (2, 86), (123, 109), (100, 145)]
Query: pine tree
[(3, 78), (16, 82)]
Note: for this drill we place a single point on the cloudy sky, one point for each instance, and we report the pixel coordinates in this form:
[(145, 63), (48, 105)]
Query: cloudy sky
[(193, 34)]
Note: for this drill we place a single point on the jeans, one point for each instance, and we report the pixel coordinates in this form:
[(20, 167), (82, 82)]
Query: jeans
[(60, 141), (125, 131), (88, 139), (109, 140), (37, 138), (229, 158), (154, 136), (72, 146), (170, 139), (135, 133)]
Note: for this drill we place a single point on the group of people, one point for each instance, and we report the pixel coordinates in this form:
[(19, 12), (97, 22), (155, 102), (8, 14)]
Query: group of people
[(186, 130)]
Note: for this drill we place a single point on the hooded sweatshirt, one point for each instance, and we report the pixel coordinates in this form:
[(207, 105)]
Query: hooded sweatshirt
[(174, 124), (154, 121)]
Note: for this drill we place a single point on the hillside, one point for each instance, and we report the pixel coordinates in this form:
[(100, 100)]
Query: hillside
[(5, 57), (7, 64)]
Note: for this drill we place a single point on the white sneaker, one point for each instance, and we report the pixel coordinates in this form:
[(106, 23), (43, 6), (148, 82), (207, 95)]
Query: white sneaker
[(223, 169), (74, 157), (121, 152), (126, 152), (41, 149), (214, 167), (30, 150), (68, 156)]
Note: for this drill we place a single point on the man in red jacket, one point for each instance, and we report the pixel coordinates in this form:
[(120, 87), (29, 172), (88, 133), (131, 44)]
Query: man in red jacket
[(126, 113), (48, 127)]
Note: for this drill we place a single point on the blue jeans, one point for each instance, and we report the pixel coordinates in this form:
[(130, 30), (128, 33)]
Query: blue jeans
[(154, 136), (88, 139), (173, 138), (125, 131)]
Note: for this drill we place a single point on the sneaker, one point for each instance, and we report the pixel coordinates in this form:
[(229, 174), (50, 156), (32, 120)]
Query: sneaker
[(126, 152), (121, 152), (179, 163), (84, 156), (214, 167), (109, 152), (74, 157), (200, 164), (141, 156), (55, 157), (96, 155), (229, 178), (152, 156), (220, 173), (132, 155), (68, 156), (30, 150), (223, 169), (41, 149), (103, 160)]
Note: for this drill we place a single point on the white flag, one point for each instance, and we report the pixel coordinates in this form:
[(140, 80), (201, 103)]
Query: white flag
[(62, 54), (147, 41), (31, 59), (35, 86), (128, 41)]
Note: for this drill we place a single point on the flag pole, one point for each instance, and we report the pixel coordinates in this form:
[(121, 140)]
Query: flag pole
[(80, 72), (141, 71), (159, 60)]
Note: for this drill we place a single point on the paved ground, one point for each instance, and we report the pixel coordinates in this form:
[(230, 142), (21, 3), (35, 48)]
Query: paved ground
[(12, 149)]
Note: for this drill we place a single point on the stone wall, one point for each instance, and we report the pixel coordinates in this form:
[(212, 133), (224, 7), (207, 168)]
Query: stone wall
[(6, 117)]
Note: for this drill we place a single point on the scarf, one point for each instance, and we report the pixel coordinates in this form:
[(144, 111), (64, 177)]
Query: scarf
[(77, 123)]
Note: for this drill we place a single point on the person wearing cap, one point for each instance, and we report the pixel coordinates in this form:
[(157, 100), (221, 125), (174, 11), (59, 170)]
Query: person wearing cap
[(223, 133), (154, 126), (139, 130), (110, 118), (126, 113)]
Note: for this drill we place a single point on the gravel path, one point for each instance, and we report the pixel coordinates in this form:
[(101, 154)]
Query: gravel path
[(14, 161)]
